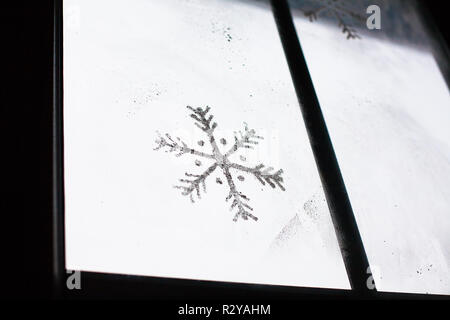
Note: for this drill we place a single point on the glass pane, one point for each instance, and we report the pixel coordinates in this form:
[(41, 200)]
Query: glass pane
[(387, 109), (131, 68)]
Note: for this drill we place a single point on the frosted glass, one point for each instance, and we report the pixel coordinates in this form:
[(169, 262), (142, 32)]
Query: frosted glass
[(131, 68)]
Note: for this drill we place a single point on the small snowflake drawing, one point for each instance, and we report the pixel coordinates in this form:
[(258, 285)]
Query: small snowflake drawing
[(196, 183), (343, 14)]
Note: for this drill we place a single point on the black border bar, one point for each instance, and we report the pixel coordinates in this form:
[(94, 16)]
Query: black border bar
[(58, 267)]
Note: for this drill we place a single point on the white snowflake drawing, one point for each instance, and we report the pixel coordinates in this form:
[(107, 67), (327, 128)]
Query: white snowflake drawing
[(196, 183), (340, 10)]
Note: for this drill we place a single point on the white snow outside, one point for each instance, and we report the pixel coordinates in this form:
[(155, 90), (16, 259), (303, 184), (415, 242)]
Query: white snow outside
[(130, 69), (387, 109)]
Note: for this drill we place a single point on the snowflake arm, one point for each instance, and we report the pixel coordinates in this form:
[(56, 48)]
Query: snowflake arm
[(246, 140), (178, 146), (351, 33), (263, 175), (350, 13), (195, 183), (339, 10), (239, 199), (202, 122)]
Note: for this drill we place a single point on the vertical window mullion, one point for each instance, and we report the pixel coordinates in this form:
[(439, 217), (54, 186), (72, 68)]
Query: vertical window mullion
[(349, 239)]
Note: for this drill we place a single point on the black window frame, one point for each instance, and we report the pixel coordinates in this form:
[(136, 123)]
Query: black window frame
[(102, 285)]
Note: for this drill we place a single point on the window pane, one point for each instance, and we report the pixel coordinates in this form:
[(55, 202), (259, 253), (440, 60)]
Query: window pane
[(130, 70), (387, 109)]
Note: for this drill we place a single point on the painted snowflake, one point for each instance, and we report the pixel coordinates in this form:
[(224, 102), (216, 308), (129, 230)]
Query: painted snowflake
[(195, 184), (343, 14)]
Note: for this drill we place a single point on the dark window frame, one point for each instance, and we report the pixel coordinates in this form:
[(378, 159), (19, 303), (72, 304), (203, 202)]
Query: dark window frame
[(102, 285)]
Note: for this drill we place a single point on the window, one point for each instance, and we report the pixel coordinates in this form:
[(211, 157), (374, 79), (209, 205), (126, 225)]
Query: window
[(386, 106), (155, 187)]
